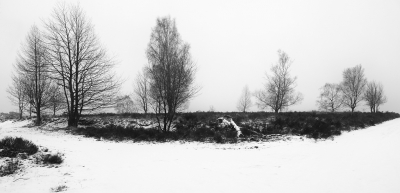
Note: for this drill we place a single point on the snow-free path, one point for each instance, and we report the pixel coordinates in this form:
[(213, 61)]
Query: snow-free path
[(366, 160)]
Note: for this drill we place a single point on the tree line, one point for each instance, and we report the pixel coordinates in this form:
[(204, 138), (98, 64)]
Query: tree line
[(278, 92), (63, 67), (353, 89)]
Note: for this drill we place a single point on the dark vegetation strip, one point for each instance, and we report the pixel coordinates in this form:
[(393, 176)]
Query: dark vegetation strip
[(202, 126)]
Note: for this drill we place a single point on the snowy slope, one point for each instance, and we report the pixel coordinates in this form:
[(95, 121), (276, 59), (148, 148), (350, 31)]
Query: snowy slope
[(360, 161)]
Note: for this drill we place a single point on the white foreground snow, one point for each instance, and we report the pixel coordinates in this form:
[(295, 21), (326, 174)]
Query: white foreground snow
[(366, 160)]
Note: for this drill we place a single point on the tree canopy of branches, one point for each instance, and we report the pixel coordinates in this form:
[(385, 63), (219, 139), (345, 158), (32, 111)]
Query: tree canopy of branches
[(244, 102), (374, 96), (141, 89), (331, 98), (32, 64), (279, 91), (79, 63), (171, 72), (353, 86), (16, 93)]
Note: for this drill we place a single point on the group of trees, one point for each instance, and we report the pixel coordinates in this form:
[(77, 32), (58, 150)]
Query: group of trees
[(279, 90), (63, 67), (32, 88), (351, 91)]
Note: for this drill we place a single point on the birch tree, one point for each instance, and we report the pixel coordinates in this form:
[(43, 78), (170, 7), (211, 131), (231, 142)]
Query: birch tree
[(244, 102), (171, 71), (374, 96), (353, 86), (16, 93), (141, 89), (279, 91), (331, 98)]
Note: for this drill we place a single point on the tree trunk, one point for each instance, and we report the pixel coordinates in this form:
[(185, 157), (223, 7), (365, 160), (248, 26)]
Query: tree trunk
[(72, 121), (38, 118)]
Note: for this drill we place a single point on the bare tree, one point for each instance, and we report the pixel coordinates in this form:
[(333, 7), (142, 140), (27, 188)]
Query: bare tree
[(79, 63), (125, 105), (171, 72), (244, 102), (57, 100), (141, 90), (374, 96), (278, 92), (331, 98), (212, 109), (16, 93), (33, 66), (353, 86)]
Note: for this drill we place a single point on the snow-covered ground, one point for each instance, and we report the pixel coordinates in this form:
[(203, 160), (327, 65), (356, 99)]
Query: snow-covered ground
[(366, 160)]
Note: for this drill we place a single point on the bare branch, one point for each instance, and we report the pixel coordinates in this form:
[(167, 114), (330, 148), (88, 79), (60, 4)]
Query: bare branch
[(244, 102), (353, 86), (278, 92), (331, 98)]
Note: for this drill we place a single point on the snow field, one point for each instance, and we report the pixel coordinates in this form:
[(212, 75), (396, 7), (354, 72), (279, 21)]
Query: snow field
[(359, 161)]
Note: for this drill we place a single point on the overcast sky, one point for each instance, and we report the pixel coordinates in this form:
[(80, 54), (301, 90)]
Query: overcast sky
[(234, 43)]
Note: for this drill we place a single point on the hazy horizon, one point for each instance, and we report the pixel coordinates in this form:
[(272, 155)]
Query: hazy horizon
[(234, 43)]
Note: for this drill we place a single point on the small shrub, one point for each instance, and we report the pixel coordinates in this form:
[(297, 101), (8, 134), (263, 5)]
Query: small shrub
[(10, 167), (59, 188), (13, 145), (52, 158)]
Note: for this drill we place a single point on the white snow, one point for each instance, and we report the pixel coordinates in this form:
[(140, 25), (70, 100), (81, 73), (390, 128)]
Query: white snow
[(365, 160)]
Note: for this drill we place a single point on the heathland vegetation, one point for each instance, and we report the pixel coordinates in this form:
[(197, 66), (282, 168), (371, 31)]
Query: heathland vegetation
[(63, 69)]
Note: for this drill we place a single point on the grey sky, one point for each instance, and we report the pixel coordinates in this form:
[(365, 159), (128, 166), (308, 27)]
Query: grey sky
[(235, 42)]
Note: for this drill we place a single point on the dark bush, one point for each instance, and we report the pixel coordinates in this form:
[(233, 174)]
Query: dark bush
[(52, 159), (10, 167), (200, 134), (218, 138), (13, 145)]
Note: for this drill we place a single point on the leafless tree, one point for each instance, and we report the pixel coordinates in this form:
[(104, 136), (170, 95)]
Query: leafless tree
[(16, 93), (331, 98), (211, 109), (57, 100), (79, 63), (32, 64), (374, 96), (353, 86), (171, 72), (125, 105), (278, 92), (141, 90), (244, 102)]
